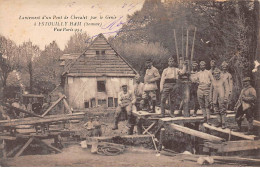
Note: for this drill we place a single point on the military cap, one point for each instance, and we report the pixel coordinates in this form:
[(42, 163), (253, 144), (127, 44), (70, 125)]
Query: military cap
[(195, 64), (216, 71), (170, 59), (224, 64), (246, 79), (212, 61), (148, 60), (202, 63), (124, 85)]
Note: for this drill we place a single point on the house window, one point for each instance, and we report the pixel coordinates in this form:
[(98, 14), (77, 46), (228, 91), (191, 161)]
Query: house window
[(103, 52), (102, 102), (116, 102), (101, 86), (86, 103), (110, 101), (97, 52)]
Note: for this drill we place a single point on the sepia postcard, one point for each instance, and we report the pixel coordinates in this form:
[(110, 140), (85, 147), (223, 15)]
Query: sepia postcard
[(129, 83)]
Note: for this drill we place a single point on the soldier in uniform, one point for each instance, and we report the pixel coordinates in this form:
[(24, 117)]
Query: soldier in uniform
[(139, 102), (150, 86), (168, 84), (246, 105), (212, 66), (219, 97), (138, 92), (126, 99), (194, 88), (204, 79), (227, 76)]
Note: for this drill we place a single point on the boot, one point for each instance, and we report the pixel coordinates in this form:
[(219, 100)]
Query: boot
[(115, 125), (223, 118), (208, 116), (153, 109), (130, 130), (250, 127), (239, 128), (219, 124)]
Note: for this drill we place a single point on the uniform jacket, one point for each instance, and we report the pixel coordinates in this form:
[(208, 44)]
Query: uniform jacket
[(228, 77), (150, 74), (138, 89), (247, 98), (203, 78), (170, 73), (219, 90), (126, 99)]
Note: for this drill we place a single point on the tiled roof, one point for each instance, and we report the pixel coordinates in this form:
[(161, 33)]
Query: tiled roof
[(92, 64)]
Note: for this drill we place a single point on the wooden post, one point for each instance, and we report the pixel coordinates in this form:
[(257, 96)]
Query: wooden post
[(182, 52), (162, 135), (24, 147), (187, 45), (176, 46), (193, 43), (52, 106), (4, 149)]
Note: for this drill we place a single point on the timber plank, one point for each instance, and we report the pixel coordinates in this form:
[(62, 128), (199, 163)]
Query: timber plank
[(228, 131), (46, 119), (232, 146), (196, 133), (256, 123)]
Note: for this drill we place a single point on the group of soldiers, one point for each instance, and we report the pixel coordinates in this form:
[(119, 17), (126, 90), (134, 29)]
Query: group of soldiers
[(210, 91)]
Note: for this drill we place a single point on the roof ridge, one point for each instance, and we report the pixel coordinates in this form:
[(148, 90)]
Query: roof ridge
[(84, 53)]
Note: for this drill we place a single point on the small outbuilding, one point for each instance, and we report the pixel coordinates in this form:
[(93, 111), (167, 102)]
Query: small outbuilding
[(94, 78)]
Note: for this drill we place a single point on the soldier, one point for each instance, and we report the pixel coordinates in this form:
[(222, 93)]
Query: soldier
[(168, 84), (194, 88), (219, 97), (139, 102), (138, 91), (212, 66), (227, 76), (204, 78), (246, 105), (150, 86), (125, 101)]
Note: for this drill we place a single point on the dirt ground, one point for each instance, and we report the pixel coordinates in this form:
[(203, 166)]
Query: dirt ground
[(75, 156)]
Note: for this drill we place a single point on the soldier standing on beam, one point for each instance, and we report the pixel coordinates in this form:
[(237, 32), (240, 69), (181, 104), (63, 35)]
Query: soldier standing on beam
[(204, 79), (150, 86), (227, 77), (219, 96), (194, 88), (246, 105), (168, 84)]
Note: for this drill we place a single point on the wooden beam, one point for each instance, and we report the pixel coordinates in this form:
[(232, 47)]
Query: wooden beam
[(24, 147), (146, 130), (256, 123), (228, 131), (48, 145), (52, 106), (47, 119), (7, 137), (196, 133), (20, 110), (67, 106), (232, 146), (14, 150)]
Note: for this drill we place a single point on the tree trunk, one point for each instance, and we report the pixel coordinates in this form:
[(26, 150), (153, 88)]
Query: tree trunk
[(257, 57)]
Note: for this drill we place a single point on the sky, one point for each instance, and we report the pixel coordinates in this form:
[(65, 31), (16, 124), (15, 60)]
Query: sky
[(48, 22)]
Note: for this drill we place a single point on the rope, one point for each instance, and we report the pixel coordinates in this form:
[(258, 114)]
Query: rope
[(110, 150)]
